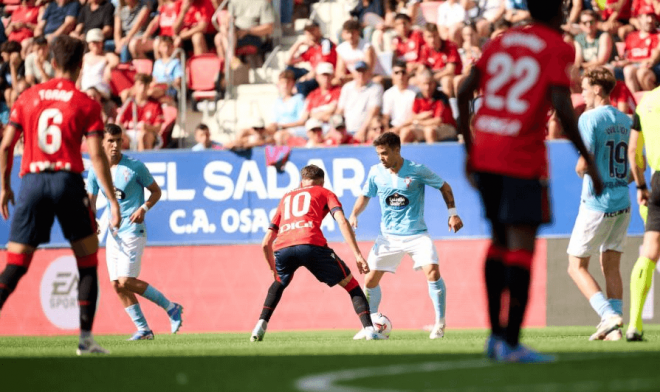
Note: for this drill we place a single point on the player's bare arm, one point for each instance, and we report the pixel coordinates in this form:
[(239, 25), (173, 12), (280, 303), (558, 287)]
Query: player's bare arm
[(102, 170), (636, 171), (349, 236), (267, 248), (465, 95), (138, 216), (581, 167), (561, 101), (455, 223), (360, 204), (9, 140)]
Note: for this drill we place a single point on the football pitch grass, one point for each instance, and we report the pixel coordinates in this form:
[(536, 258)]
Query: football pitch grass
[(330, 361)]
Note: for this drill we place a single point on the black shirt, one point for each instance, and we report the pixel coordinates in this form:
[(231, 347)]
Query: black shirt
[(103, 16)]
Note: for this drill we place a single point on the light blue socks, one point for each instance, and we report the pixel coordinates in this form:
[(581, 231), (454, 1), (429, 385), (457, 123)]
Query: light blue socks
[(135, 313), (157, 297), (373, 296), (438, 294), (601, 305), (617, 305)]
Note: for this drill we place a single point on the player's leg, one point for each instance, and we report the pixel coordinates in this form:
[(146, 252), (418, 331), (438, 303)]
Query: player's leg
[(134, 311), (359, 300), (384, 256), (372, 289), (19, 257), (610, 262), (425, 257), (641, 278)]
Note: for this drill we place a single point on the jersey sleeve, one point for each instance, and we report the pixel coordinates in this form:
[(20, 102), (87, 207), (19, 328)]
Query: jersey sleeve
[(144, 177), (561, 58), (275, 222), (92, 185), (429, 178), (334, 204), (95, 121), (587, 132), (370, 189)]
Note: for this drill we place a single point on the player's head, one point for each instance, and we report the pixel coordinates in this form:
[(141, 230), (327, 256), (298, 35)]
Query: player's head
[(312, 175), (388, 148), (67, 56), (597, 84), (546, 11), (112, 141)]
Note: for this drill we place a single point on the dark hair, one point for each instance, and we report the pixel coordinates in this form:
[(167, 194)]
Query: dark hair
[(312, 172), (601, 76), (545, 10), (398, 64), (67, 52), (403, 16), (10, 47), (287, 74), (502, 24), (40, 40), (591, 13), (431, 27), (143, 78), (351, 25), (201, 126), (388, 139), (167, 39), (112, 129)]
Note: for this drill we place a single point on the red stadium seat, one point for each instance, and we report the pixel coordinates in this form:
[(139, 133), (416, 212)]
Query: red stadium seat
[(202, 72), (170, 113), (430, 10), (143, 66), (247, 50), (122, 77)]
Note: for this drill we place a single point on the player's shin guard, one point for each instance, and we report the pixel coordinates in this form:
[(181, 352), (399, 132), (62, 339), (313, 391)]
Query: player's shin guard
[(495, 284), (272, 299), (17, 266), (640, 283), (518, 264), (88, 290), (360, 303)]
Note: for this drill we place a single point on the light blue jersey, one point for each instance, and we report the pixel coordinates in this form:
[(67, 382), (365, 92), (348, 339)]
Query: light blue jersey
[(401, 196), (606, 131), (129, 178)]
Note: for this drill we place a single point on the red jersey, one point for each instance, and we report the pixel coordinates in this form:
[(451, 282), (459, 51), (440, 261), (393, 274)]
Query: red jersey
[(437, 60), (299, 216), (639, 49), (347, 138), (621, 94), (200, 11), (436, 104), (26, 15), (322, 52), (517, 70), (54, 116), (167, 17), (150, 113), (318, 101), (409, 49), (624, 14)]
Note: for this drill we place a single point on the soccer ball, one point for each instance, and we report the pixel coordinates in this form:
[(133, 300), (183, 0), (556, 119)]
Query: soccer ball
[(382, 324)]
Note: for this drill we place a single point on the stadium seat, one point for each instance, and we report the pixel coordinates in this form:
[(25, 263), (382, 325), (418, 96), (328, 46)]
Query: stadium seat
[(143, 66), (621, 49), (170, 113), (430, 10), (202, 72), (123, 77)]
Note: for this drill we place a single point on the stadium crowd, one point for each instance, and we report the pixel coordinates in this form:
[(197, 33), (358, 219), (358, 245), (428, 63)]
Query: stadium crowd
[(396, 65)]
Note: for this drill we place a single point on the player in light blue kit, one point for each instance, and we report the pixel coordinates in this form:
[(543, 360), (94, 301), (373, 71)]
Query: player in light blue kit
[(602, 221), (399, 185), (124, 248)]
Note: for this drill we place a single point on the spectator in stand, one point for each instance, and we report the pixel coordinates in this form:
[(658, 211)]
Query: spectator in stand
[(432, 119), (376, 128), (319, 49), (491, 11), (163, 22), (368, 11), (640, 68), (517, 11), (592, 47), (59, 18), (38, 68), (398, 99), (97, 66), (288, 109), (253, 20), (469, 52), (12, 71), (109, 112), (500, 27), (451, 18), (616, 17), (203, 139), (441, 57), (193, 29), (314, 133), (360, 101), (97, 14), (622, 99), (142, 116), (407, 43), (23, 22), (167, 72), (255, 135), (338, 135), (130, 21), (351, 51), (638, 5)]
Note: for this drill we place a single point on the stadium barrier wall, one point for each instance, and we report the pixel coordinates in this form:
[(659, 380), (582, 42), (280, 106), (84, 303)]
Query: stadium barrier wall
[(216, 207)]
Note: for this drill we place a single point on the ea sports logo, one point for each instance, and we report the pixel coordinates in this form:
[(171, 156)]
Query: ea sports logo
[(59, 293)]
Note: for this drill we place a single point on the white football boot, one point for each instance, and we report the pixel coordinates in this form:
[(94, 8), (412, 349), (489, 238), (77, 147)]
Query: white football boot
[(607, 325), (259, 331), (361, 334), (438, 331)]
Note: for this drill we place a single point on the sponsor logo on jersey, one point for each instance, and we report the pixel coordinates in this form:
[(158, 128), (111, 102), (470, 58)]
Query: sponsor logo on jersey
[(397, 201), (119, 194), (296, 225)]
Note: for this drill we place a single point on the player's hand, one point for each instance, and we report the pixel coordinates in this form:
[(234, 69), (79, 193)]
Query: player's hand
[(362, 265), (138, 216), (115, 218), (6, 196), (455, 223), (643, 196), (592, 171), (352, 220)]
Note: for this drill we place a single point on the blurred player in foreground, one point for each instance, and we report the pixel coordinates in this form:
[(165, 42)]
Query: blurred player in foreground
[(53, 118), (295, 240), (124, 248), (645, 123), (603, 221), (522, 72), (400, 185)]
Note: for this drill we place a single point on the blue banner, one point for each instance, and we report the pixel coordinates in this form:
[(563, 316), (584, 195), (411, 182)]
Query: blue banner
[(221, 197)]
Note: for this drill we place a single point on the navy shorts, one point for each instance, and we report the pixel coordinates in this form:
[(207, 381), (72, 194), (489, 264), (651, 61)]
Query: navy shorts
[(44, 196), (653, 218), (321, 261), (509, 200)]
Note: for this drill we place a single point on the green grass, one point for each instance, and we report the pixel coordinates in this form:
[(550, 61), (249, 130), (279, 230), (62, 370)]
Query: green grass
[(409, 361)]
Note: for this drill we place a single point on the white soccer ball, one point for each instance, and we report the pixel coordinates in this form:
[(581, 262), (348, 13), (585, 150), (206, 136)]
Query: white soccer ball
[(382, 324)]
